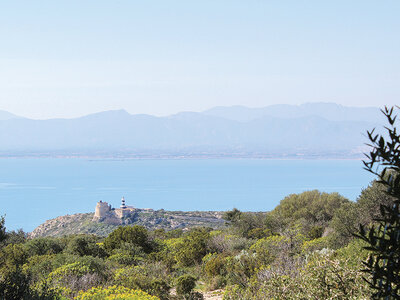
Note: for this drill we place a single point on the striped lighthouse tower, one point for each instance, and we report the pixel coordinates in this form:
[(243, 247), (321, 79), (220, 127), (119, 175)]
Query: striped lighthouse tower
[(123, 205)]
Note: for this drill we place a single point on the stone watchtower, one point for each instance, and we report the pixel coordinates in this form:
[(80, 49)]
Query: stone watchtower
[(102, 210)]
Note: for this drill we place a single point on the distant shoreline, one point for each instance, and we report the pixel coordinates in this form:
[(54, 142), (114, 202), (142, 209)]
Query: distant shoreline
[(186, 157)]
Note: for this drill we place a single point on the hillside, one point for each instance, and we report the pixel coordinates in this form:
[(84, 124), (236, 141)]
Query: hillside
[(151, 219)]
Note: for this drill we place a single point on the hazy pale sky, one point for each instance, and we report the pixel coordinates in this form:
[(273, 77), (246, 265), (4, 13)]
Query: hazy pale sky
[(70, 58)]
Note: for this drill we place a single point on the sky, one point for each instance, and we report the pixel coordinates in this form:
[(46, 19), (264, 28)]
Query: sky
[(71, 58)]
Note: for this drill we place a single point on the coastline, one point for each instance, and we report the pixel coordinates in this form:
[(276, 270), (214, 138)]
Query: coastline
[(357, 156)]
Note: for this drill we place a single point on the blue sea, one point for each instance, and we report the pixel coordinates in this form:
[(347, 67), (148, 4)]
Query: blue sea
[(34, 190)]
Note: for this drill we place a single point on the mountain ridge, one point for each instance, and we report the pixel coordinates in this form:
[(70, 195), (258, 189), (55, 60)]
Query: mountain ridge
[(190, 134), (330, 111), (5, 115)]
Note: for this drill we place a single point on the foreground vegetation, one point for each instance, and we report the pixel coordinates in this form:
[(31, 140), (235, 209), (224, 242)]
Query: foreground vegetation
[(306, 248)]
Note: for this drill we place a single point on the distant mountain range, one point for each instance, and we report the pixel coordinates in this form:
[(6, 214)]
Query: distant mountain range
[(329, 111), (308, 130), (5, 115)]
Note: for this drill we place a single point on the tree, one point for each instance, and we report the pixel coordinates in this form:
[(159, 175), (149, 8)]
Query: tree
[(313, 210), (3, 234), (347, 219), (370, 200), (244, 223), (344, 223), (384, 239), (232, 215), (16, 237), (14, 282)]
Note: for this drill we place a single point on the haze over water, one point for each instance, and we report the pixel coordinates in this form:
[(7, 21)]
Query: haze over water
[(34, 190)]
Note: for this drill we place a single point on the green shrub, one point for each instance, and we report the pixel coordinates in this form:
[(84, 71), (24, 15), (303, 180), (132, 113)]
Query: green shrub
[(43, 246), (325, 275), (193, 248), (313, 245), (344, 225), (215, 265), (185, 285), (114, 293), (314, 207), (241, 268), (124, 258), (84, 245), (14, 284), (129, 236), (228, 243), (152, 278), (39, 266), (245, 224), (81, 275), (13, 255)]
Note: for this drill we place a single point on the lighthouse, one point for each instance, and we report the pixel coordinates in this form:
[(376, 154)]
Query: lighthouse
[(123, 205)]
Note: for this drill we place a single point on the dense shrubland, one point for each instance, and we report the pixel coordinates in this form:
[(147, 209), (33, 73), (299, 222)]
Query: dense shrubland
[(303, 248), (306, 248)]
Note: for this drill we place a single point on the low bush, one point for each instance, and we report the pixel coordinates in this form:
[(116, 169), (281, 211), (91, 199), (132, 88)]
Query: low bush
[(114, 293)]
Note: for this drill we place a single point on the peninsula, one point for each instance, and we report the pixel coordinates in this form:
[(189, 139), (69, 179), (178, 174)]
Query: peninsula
[(106, 218)]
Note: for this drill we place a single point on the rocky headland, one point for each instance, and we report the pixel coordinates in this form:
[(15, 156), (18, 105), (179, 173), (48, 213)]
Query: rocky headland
[(85, 223)]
